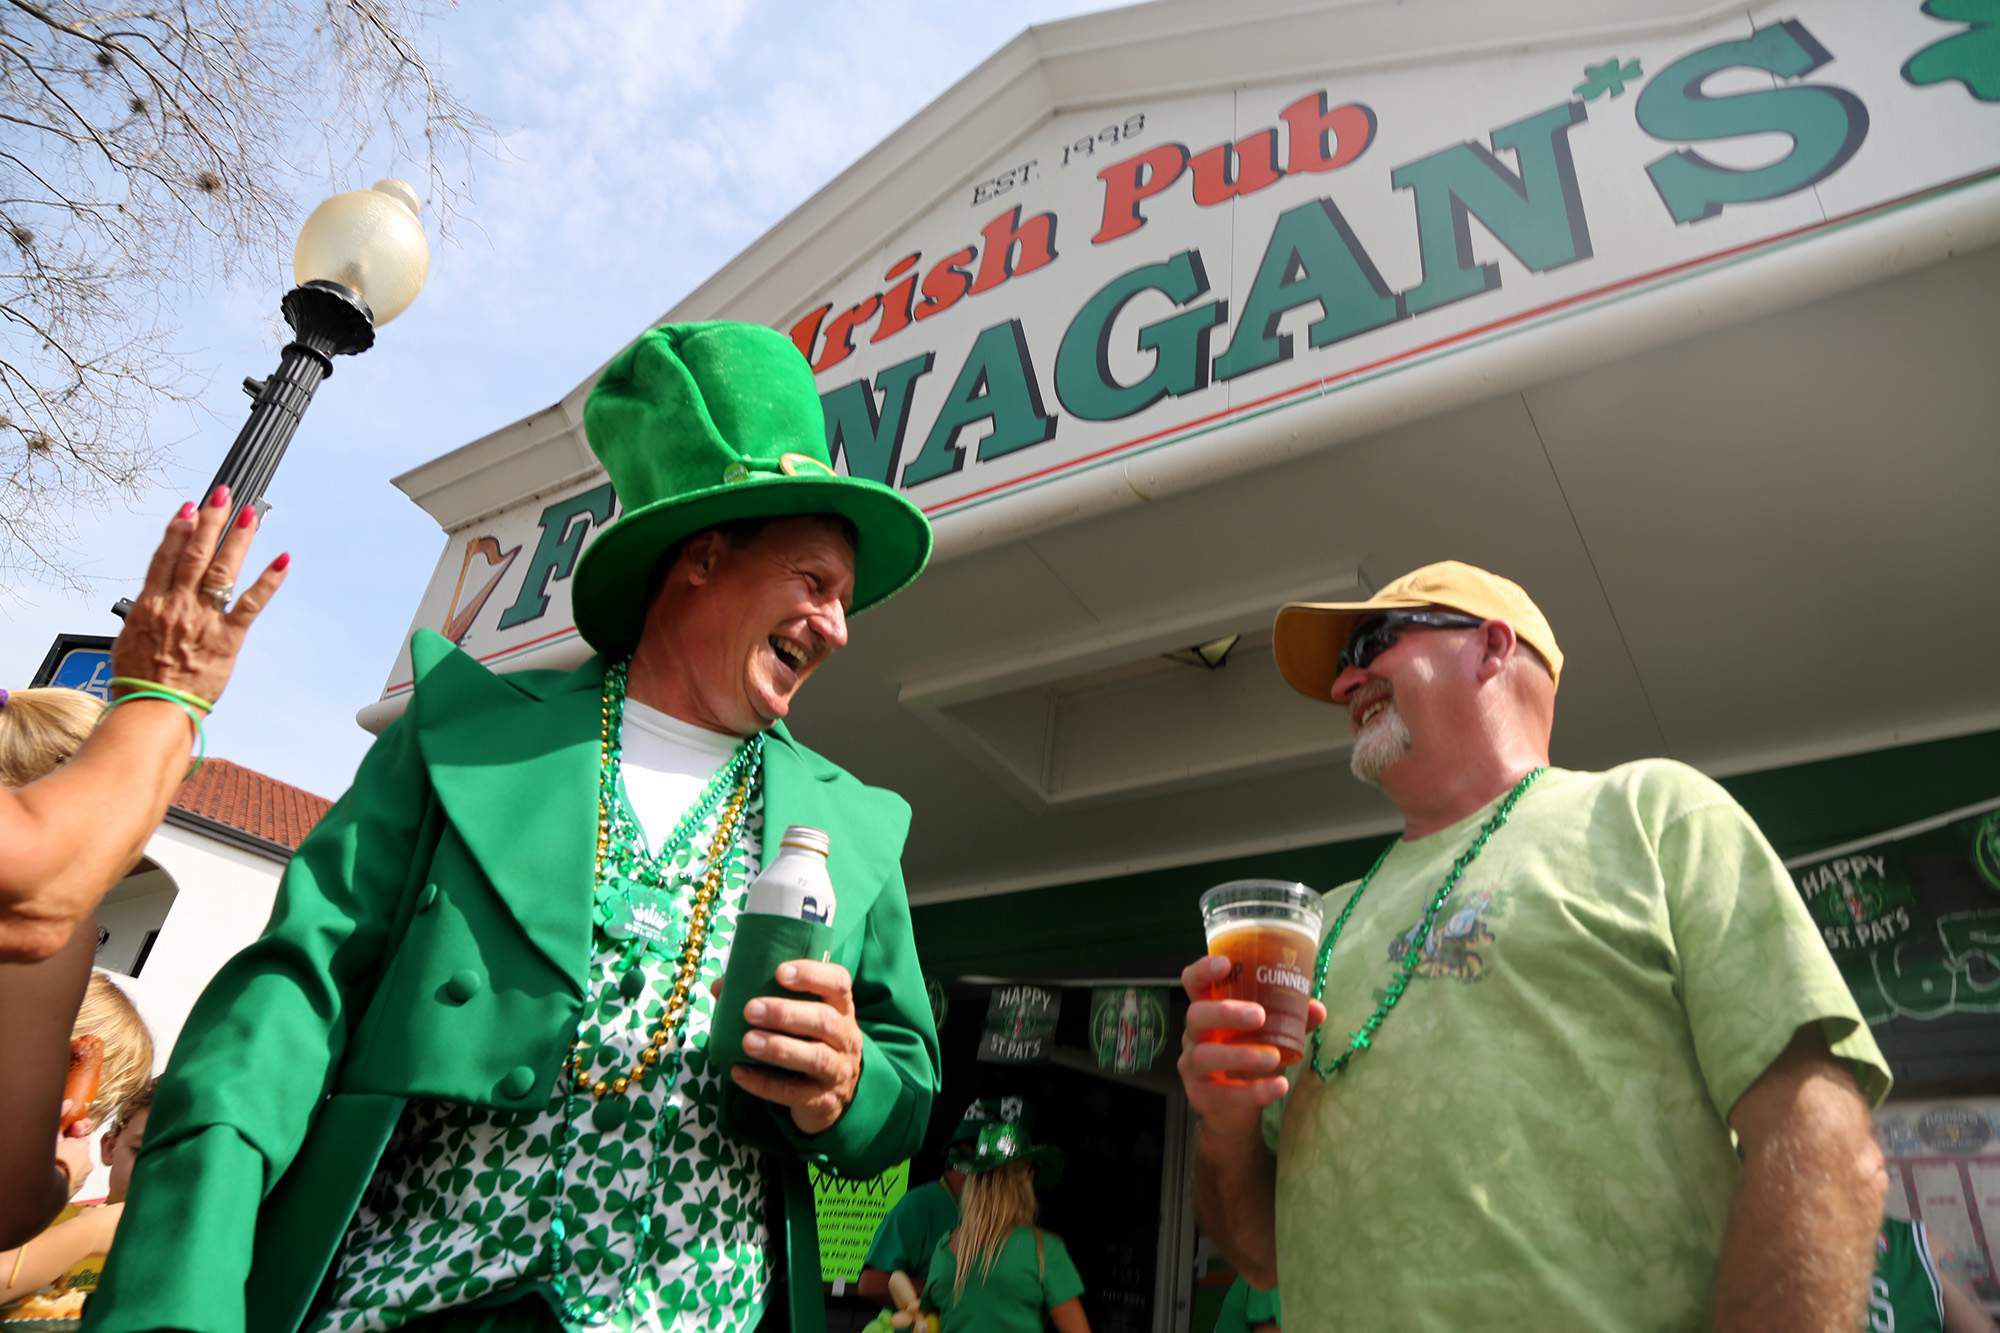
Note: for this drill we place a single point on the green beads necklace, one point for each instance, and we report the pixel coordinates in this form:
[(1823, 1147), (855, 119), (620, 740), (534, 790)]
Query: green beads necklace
[(1360, 1039), (639, 892), (633, 895)]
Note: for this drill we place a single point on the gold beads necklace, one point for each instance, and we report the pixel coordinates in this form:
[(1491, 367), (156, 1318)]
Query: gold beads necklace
[(622, 858)]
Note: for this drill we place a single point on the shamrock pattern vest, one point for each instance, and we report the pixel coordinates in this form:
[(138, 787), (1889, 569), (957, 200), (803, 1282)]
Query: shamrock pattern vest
[(460, 1208)]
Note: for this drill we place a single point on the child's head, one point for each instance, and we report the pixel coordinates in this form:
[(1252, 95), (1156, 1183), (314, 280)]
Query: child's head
[(120, 1147), (128, 1047)]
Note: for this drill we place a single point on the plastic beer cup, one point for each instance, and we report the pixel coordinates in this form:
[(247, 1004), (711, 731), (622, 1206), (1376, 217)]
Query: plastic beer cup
[(1268, 929)]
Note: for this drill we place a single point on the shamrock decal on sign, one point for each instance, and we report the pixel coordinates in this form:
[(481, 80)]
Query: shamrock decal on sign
[(1609, 77), (1971, 57)]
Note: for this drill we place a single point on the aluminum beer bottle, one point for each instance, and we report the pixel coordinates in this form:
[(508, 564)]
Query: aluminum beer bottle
[(796, 884)]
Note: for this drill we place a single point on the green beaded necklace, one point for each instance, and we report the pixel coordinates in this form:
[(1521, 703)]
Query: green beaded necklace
[(1360, 1039), (622, 855), (639, 891)]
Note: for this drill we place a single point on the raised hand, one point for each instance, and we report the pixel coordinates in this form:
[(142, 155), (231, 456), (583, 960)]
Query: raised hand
[(182, 631)]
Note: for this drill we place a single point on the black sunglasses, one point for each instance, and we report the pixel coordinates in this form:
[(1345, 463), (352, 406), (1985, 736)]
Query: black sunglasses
[(1377, 634)]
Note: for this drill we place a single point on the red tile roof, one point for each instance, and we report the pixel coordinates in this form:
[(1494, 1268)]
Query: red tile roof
[(247, 800)]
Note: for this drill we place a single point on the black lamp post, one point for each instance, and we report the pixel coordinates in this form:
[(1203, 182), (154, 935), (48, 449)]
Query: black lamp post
[(360, 261)]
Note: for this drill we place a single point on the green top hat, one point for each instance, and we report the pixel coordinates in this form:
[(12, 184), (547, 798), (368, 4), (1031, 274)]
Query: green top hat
[(1002, 1143), (702, 424)]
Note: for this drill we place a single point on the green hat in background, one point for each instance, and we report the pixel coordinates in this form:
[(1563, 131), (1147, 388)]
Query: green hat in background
[(699, 425), (999, 1145), (995, 1131)]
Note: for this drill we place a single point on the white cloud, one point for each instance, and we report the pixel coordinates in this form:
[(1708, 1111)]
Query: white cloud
[(627, 52)]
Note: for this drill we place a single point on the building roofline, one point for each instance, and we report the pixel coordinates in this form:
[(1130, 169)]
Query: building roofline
[(1169, 48), (228, 833)]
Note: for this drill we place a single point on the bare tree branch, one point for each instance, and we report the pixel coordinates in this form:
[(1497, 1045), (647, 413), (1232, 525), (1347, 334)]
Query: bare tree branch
[(155, 153)]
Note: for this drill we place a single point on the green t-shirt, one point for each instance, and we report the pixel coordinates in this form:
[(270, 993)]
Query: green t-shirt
[(1245, 1308), (921, 1218), (1012, 1297), (1904, 1296), (1538, 1134)]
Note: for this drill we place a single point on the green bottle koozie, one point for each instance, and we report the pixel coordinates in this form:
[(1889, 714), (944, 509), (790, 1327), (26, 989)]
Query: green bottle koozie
[(762, 942)]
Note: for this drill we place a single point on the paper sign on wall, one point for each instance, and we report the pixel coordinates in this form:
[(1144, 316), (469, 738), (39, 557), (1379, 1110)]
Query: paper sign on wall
[(849, 1213)]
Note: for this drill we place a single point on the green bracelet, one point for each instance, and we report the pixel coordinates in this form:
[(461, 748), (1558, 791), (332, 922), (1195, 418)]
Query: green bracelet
[(173, 697), (154, 687)]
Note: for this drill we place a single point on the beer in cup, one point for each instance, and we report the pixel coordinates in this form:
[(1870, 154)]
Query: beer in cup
[(1268, 929)]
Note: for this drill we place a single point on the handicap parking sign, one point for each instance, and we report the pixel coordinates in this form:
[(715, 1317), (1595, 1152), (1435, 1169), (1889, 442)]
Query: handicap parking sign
[(86, 669), (78, 662)]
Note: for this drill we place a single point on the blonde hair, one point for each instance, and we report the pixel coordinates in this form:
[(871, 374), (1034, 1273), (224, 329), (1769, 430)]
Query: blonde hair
[(990, 1206), (128, 1047), (41, 728), (135, 1106)]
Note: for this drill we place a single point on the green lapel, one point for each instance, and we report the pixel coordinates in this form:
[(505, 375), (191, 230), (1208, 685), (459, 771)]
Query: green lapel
[(792, 775), (514, 763)]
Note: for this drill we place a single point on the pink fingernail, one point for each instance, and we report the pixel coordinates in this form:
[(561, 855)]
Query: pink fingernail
[(246, 516), (218, 497), (185, 512), (283, 562)]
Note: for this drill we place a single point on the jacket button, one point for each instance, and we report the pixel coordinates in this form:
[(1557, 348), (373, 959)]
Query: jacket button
[(520, 1081), (464, 984), (428, 898)]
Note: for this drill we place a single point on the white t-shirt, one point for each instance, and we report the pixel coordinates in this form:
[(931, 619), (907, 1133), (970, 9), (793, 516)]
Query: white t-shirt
[(667, 764)]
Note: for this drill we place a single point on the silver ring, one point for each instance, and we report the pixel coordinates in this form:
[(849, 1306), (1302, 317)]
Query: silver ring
[(220, 596)]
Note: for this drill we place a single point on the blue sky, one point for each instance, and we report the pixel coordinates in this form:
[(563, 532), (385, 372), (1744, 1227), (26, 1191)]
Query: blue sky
[(642, 146)]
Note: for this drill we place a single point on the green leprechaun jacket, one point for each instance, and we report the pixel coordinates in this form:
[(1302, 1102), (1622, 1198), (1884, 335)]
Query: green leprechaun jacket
[(417, 949)]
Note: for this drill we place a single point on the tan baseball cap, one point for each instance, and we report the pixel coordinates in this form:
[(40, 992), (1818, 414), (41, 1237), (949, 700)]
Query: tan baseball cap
[(1308, 636)]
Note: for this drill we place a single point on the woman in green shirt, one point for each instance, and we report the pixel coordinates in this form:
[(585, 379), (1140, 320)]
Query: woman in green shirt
[(997, 1271)]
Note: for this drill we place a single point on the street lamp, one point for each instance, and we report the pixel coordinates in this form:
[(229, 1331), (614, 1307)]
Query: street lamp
[(360, 261)]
